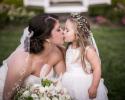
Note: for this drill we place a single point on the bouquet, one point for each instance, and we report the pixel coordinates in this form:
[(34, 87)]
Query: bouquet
[(47, 90)]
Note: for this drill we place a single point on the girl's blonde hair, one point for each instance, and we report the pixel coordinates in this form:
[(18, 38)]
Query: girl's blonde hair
[(82, 30)]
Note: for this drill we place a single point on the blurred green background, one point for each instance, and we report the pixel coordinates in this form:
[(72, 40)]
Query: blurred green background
[(108, 27)]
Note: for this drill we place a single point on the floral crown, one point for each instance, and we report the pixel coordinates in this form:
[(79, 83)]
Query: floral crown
[(81, 21)]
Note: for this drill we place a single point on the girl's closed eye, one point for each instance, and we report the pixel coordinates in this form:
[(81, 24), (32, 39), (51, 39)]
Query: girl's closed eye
[(66, 30)]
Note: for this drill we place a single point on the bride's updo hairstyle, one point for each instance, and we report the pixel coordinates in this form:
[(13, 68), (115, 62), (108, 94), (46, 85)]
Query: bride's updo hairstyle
[(39, 28)]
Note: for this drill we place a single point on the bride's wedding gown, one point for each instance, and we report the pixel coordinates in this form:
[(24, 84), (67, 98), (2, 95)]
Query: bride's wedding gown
[(29, 80)]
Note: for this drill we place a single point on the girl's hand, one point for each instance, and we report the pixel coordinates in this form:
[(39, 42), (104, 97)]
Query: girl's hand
[(92, 92)]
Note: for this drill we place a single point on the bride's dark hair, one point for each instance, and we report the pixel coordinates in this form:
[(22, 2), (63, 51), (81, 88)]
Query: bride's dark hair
[(40, 28)]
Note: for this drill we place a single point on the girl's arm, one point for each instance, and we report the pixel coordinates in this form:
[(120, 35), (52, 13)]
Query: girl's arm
[(94, 60)]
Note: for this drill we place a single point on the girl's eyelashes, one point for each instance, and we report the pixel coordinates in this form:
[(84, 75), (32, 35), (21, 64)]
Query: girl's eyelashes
[(66, 29)]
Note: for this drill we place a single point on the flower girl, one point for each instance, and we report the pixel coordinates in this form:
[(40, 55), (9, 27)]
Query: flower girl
[(83, 66)]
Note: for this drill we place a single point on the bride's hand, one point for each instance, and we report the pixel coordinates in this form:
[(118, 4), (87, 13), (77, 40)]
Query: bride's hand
[(92, 92)]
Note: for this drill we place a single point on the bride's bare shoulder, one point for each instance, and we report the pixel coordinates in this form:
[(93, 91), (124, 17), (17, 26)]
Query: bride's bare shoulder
[(17, 59)]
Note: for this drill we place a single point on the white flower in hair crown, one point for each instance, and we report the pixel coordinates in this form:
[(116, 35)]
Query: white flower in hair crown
[(80, 20)]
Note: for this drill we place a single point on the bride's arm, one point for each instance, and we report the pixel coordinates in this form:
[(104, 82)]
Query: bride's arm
[(15, 77), (60, 67)]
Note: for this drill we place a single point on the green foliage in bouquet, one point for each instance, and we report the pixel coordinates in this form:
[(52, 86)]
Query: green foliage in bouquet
[(18, 95), (46, 82)]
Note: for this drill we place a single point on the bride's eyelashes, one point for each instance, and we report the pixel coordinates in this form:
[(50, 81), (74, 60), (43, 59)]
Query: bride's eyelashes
[(59, 29)]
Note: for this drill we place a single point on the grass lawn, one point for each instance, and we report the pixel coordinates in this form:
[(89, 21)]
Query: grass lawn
[(110, 42), (9, 40)]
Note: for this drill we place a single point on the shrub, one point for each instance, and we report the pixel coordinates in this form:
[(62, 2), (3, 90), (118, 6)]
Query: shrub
[(3, 14), (16, 3), (19, 14), (114, 12), (16, 15)]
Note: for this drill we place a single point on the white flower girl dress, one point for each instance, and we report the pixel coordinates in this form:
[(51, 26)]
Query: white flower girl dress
[(77, 81)]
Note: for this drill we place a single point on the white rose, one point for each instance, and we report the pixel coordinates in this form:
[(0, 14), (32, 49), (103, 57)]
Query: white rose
[(54, 98), (35, 86), (58, 88), (34, 96), (67, 97), (26, 94), (46, 88), (42, 89), (61, 97), (48, 98), (42, 98)]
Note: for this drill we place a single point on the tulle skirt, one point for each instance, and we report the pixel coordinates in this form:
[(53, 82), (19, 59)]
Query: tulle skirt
[(78, 83)]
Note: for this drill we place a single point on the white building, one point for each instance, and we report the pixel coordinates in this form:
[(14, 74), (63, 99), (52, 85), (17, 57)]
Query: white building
[(64, 6)]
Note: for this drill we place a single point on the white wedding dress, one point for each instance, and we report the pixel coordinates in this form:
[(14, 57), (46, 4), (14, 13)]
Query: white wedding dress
[(28, 81), (77, 81)]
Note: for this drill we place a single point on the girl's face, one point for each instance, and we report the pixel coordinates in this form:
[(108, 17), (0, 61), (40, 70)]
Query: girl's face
[(69, 32), (57, 35)]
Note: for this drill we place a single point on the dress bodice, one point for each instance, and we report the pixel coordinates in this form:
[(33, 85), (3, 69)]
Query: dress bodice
[(73, 60), (32, 79)]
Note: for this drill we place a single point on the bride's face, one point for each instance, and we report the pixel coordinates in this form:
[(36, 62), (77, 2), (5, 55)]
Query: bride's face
[(69, 32), (57, 34)]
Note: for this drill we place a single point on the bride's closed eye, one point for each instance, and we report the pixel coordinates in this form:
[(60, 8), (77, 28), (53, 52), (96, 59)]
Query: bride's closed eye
[(59, 29)]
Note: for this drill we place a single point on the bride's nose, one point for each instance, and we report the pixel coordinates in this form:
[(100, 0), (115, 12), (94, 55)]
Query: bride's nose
[(62, 31)]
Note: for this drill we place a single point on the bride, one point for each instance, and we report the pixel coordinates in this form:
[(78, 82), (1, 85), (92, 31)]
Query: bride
[(37, 56)]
